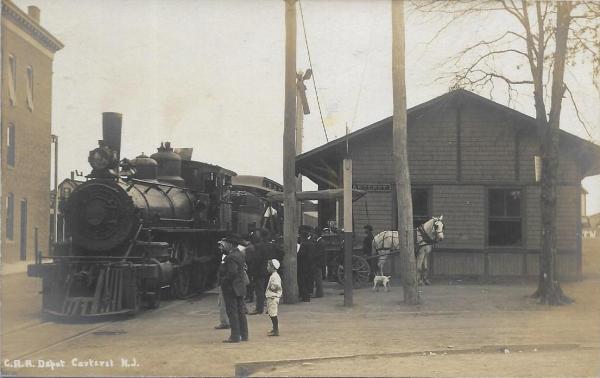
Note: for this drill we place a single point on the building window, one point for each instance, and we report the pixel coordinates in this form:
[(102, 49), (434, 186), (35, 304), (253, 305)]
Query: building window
[(421, 206), (421, 199), (504, 217), (30, 87), (10, 145), (10, 216), (12, 79)]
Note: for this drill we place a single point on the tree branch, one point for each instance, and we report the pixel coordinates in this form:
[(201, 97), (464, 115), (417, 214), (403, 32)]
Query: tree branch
[(495, 52), (577, 112)]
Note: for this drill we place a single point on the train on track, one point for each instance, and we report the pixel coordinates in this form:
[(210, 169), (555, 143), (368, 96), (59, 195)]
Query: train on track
[(142, 227)]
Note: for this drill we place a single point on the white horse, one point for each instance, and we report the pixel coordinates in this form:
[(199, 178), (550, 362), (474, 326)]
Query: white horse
[(427, 234)]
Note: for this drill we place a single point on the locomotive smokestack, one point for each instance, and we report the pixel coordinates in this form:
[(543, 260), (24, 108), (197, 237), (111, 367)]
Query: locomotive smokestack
[(111, 131)]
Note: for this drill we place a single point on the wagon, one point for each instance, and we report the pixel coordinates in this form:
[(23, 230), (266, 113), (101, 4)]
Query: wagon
[(333, 247)]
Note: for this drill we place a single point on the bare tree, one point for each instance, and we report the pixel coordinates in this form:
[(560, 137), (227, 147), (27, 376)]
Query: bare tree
[(549, 37)]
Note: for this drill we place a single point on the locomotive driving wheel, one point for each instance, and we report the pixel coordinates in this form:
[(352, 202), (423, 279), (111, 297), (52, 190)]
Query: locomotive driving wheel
[(360, 271), (182, 281)]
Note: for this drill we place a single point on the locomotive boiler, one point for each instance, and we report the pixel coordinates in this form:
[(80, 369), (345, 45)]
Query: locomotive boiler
[(136, 229)]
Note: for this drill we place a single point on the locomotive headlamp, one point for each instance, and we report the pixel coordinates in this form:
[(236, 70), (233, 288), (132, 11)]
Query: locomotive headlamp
[(100, 158)]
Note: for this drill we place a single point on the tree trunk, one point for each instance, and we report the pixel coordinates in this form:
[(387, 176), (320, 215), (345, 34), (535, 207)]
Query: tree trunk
[(549, 290), (400, 156), (290, 224)]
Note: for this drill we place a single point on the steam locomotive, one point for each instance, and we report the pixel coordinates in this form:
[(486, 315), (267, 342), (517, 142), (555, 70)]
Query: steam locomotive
[(136, 228)]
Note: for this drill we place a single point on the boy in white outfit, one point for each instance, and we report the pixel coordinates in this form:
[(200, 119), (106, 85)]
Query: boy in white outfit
[(272, 294)]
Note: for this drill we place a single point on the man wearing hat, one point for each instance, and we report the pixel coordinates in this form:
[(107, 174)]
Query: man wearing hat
[(231, 279), (305, 263), (368, 246)]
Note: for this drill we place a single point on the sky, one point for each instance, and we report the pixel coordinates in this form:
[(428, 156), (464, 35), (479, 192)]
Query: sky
[(210, 75)]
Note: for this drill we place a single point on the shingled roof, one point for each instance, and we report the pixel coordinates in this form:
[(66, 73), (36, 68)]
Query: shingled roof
[(590, 150)]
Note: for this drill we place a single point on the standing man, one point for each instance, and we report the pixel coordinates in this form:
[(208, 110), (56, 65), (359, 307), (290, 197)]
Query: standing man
[(368, 248), (250, 254), (224, 320), (318, 263), (257, 270), (234, 289), (304, 260)]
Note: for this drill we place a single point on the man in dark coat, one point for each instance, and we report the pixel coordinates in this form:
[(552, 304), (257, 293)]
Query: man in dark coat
[(257, 269), (305, 264), (368, 247), (272, 250), (234, 289), (250, 254), (318, 263)]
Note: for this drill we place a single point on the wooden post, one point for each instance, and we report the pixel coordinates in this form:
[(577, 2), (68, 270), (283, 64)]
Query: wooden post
[(400, 157), (299, 134), (348, 274), (290, 225)]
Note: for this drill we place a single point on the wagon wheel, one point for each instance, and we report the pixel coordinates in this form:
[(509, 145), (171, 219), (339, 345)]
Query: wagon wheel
[(360, 271)]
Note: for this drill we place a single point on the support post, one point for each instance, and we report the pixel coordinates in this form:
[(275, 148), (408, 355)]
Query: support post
[(299, 134), (348, 244), (290, 225), (408, 267)]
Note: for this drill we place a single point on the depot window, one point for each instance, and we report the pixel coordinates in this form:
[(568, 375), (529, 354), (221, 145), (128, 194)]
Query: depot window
[(421, 206), (421, 199), (504, 217)]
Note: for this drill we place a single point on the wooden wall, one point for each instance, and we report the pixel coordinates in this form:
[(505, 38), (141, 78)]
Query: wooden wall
[(460, 155)]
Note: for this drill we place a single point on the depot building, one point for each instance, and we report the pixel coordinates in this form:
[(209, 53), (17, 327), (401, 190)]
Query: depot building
[(472, 160)]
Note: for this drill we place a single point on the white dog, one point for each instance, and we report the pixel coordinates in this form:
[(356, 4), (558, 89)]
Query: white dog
[(383, 281)]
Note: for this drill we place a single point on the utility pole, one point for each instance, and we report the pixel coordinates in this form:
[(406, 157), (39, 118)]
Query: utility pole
[(408, 268), (301, 110), (290, 224), (348, 245)]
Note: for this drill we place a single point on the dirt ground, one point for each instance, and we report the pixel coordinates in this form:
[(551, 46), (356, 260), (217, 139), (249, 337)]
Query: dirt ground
[(460, 329)]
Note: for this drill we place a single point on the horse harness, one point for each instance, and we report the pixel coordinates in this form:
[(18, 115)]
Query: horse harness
[(426, 240)]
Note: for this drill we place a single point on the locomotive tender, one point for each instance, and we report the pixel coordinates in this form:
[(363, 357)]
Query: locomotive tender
[(136, 227)]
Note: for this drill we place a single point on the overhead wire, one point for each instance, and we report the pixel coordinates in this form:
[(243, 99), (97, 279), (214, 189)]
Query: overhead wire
[(313, 71), (364, 70)]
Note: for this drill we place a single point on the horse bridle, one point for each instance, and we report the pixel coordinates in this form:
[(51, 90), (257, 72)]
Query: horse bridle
[(429, 239)]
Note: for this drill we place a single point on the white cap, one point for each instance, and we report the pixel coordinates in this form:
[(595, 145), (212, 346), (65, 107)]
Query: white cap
[(275, 263)]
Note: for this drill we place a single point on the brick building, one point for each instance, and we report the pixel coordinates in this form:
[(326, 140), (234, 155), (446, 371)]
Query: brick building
[(472, 160), (27, 55)]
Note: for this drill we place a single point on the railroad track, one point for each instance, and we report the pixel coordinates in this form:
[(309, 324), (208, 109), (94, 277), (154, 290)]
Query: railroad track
[(27, 326), (14, 337)]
